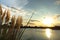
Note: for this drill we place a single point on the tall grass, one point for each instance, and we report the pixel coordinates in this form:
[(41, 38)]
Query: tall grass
[(0, 10), (15, 24), (13, 20), (18, 22), (7, 16)]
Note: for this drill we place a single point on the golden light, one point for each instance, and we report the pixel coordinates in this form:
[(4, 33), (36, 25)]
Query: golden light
[(48, 21), (48, 33)]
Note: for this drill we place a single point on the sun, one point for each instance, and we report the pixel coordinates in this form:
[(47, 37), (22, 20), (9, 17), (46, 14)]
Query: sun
[(48, 21)]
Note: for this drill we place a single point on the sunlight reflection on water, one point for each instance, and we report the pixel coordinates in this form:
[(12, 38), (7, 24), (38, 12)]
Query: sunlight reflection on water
[(48, 33)]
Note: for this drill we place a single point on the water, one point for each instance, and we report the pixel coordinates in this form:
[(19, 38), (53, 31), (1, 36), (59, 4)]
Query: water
[(41, 34)]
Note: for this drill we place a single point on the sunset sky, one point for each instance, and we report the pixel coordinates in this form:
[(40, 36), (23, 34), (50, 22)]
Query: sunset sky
[(41, 7)]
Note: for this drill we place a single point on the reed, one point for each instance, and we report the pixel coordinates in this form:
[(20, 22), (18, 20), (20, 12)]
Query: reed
[(3, 16), (13, 21), (18, 22), (0, 10), (7, 16)]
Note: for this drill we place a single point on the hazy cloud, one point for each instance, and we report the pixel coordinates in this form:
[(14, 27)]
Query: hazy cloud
[(14, 3), (35, 21), (57, 2), (17, 11)]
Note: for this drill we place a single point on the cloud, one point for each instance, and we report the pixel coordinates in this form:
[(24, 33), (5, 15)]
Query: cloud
[(16, 11), (14, 3), (31, 23), (35, 21), (22, 2), (57, 2)]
